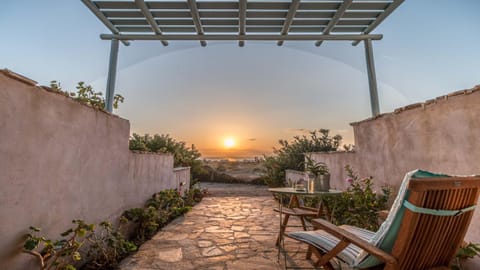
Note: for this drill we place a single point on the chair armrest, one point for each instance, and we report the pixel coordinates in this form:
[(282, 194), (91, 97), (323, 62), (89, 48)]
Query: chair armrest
[(350, 237)]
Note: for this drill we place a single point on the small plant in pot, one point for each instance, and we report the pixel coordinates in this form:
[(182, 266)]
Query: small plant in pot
[(320, 173)]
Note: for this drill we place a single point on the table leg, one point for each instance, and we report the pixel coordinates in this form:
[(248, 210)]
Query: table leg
[(324, 211), (283, 225), (280, 205)]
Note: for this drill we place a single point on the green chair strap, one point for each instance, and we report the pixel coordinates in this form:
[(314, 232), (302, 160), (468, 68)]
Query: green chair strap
[(436, 212)]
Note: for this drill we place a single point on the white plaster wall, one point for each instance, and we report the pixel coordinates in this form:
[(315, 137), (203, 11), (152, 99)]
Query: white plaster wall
[(147, 174), (61, 160), (182, 179), (295, 176)]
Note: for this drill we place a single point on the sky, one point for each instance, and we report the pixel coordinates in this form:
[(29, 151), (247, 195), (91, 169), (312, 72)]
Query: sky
[(255, 94)]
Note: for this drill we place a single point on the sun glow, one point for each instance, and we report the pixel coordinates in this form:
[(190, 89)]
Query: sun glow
[(229, 142)]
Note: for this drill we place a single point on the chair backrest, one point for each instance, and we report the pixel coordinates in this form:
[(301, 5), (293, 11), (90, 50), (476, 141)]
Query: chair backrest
[(421, 237), (429, 236)]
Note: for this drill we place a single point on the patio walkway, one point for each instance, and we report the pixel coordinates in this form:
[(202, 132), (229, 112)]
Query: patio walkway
[(235, 227)]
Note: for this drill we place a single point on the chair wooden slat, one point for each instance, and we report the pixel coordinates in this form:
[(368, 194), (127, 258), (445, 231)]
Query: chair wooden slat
[(427, 241)]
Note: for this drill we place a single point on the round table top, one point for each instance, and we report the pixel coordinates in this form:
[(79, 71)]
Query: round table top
[(292, 191)]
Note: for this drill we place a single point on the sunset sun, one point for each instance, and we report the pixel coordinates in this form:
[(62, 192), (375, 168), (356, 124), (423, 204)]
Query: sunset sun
[(229, 142)]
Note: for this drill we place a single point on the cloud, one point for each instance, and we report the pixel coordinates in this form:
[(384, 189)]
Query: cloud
[(298, 130), (252, 139)]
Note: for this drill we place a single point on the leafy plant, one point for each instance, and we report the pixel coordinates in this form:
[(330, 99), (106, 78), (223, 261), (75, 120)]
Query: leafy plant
[(359, 204), (107, 246), (195, 194), (466, 251), (160, 209), (291, 155), (86, 95), (58, 254), (147, 220), (104, 247), (316, 168), (101, 249)]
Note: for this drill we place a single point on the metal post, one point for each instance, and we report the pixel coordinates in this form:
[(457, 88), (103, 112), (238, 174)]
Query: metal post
[(112, 74), (372, 80)]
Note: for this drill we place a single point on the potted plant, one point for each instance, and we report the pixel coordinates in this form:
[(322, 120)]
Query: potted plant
[(319, 172)]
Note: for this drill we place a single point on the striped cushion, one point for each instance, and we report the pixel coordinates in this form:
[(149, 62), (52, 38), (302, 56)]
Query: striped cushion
[(325, 241)]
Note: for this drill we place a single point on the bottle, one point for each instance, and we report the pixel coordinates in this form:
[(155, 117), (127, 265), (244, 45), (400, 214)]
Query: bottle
[(311, 185)]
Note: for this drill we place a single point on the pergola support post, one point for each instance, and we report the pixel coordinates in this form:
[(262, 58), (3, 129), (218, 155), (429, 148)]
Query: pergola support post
[(372, 79), (112, 74)]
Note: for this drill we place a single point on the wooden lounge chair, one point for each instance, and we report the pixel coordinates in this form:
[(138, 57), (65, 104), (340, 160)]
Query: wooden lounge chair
[(424, 229)]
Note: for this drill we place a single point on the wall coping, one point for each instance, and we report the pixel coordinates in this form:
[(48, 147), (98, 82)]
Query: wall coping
[(423, 105), (178, 169), (18, 77), (332, 152), (138, 152)]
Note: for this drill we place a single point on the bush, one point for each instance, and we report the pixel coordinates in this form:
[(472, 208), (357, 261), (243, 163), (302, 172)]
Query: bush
[(86, 95), (291, 155), (104, 247), (359, 204), (159, 210), (101, 248)]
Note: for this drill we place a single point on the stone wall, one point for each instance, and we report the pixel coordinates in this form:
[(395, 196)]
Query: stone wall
[(440, 135), (61, 160)]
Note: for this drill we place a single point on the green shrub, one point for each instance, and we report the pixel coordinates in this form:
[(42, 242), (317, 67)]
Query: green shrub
[(359, 204), (291, 154), (104, 247), (107, 246), (147, 222), (159, 210), (86, 95), (194, 195)]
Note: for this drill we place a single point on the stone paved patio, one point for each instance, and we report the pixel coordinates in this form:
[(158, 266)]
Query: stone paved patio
[(235, 227)]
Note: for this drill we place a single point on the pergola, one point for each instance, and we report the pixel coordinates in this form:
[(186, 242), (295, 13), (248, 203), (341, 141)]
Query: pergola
[(242, 20)]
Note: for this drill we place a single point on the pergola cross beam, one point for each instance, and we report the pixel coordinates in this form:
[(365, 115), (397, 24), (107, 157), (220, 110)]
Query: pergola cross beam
[(338, 14), (103, 19), (391, 7), (148, 15), (289, 19), (212, 37), (192, 4), (242, 15)]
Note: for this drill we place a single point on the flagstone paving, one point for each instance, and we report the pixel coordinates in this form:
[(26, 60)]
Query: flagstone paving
[(234, 227)]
